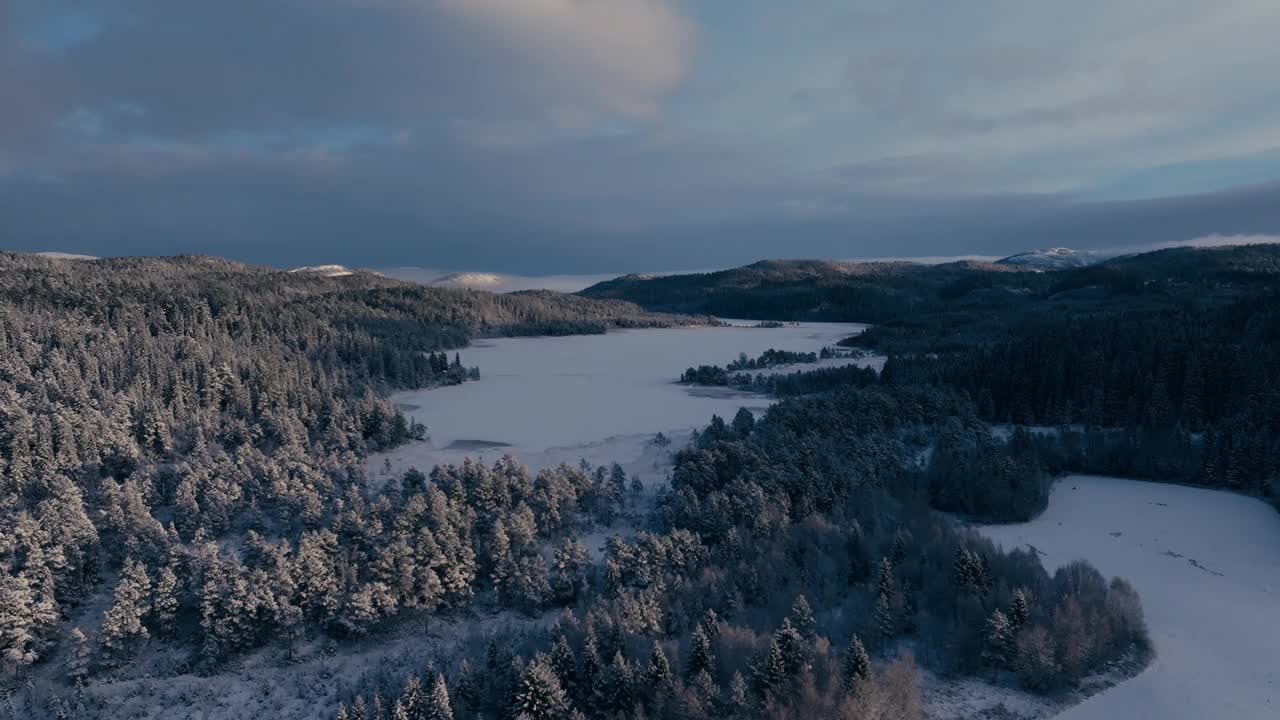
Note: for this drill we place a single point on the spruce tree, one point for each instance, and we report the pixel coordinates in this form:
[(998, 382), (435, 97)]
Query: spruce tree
[(613, 686), (899, 552), (77, 663), (772, 673), (565, 665), (122, 627), (886, 585), (886, 624), (856, 666), (19, 639), (658, 672), (1019, 609), (700, 656), (164, 605), (437, 705), (739, 701), (802, 619), (999, 647), (412, 698)]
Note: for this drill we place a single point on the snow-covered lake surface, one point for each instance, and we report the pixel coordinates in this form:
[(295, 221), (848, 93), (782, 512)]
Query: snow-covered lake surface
[(1207, 566), (596, 397)]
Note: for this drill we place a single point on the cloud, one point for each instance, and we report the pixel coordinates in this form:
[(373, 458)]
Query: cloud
[(198, 70), (589, 135)]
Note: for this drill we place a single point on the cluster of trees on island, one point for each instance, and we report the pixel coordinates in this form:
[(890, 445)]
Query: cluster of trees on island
[(739, 372)]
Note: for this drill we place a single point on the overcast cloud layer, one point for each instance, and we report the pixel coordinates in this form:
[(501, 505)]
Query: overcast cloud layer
[(538, 136)]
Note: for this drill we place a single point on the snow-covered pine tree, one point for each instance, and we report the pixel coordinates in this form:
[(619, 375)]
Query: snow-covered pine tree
[(886, 623), (539, 695), (658, 673), (437, 705), (999, 648), (1019, 609), (856, 665), (802, 619), (164, 603), (122, 627), (700, 656)]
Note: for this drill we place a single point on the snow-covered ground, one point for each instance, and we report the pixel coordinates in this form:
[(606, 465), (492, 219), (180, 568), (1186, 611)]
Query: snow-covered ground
[(1207, 566), (602, 398)]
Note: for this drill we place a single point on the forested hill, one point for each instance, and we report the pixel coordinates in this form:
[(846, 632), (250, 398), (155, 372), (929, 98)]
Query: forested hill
[(882, 292), (152, 406), (825, 289)]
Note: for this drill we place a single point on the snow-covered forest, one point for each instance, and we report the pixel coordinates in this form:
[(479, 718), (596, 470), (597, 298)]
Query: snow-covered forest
[(198, 517)]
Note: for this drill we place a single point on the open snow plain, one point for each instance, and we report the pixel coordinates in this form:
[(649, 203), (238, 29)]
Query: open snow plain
[(602, 398), (1207, 566)]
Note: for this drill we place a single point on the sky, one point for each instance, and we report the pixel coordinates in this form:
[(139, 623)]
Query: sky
[(601, 136)]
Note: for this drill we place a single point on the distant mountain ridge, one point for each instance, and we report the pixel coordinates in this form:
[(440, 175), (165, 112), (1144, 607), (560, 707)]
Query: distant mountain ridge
[(879, 292), (1058, 258), (325, 270)]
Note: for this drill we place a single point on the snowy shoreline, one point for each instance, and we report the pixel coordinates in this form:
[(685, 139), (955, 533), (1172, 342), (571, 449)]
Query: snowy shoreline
[(1180, 547)]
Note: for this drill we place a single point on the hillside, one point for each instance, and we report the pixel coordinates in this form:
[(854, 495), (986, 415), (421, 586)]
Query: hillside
[(824, 290)]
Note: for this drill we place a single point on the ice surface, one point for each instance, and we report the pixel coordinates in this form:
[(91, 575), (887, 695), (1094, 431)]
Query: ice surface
[(598, 397), (1207, 566)]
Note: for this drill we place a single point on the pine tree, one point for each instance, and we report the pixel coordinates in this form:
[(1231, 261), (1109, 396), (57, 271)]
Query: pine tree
[(795, 649), (962, 570), (983, 578), (856, 666), (19, 638), (907, 622), (164, 604), (886, 586), (700, 656), (899, 552), (1019, 609), (501, 559), (122, 628), (802, 619), (77, 664), (739, 703), (999, 648), (772, 673), (565, 665), (613, 686), (468, 692), (710, 623), (412, 699), (885, 622), (658, 673), (436, 704)]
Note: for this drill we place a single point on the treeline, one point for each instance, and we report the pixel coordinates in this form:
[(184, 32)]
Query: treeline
[(188, 436), (1186, 394), (739, 372), (829, 290)]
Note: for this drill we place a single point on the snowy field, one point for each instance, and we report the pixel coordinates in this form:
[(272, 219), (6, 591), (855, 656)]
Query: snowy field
[(602, 398), (1207, 565)]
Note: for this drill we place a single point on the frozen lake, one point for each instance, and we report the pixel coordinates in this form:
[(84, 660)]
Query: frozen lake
[(600, 397), (1207, 565)]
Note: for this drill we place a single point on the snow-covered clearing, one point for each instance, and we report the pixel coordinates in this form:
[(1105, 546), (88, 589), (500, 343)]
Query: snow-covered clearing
[(601, 398), (1207, 566)]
